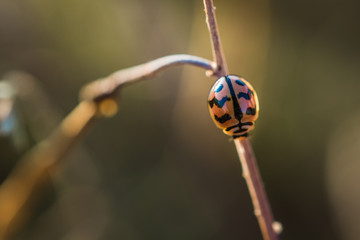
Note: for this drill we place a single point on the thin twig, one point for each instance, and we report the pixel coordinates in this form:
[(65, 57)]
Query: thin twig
[(110, 85), (217, 50), (253, 179), (247, 157)]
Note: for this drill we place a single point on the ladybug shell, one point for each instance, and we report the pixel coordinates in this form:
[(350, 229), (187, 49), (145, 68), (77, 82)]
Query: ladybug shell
[(233, 105)]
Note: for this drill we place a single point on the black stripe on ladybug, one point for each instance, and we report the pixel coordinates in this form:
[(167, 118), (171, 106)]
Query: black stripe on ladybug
[(217, 102)]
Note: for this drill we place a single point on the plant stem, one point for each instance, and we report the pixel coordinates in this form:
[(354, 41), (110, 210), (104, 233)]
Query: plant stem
[(217, 50), (253, 179), (110, 85), (251, 173)]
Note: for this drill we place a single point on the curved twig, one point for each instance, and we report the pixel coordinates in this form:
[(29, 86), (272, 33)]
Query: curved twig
[(109, 86)]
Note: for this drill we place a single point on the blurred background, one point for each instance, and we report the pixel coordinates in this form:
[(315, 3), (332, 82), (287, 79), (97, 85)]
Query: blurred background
[(160, 169)]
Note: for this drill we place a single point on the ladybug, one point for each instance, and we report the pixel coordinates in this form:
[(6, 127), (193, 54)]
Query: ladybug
[(233, 105)]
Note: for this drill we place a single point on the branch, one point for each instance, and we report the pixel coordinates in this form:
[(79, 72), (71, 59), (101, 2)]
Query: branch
[(33, 170), (110, 85), (217, 51), (246, 155), (257, 192)]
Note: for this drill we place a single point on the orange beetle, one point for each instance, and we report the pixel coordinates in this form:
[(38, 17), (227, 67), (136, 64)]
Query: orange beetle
[(233, 105)]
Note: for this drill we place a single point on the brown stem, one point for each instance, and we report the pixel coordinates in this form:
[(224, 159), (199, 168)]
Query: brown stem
[(247, 158), (218, 53), (253, 179), (110, 85)]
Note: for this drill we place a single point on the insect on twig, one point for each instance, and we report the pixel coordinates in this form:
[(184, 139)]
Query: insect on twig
[(97, 99), (247, 158)]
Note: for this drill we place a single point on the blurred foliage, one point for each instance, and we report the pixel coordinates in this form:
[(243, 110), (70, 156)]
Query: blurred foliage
[(160, 169)]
